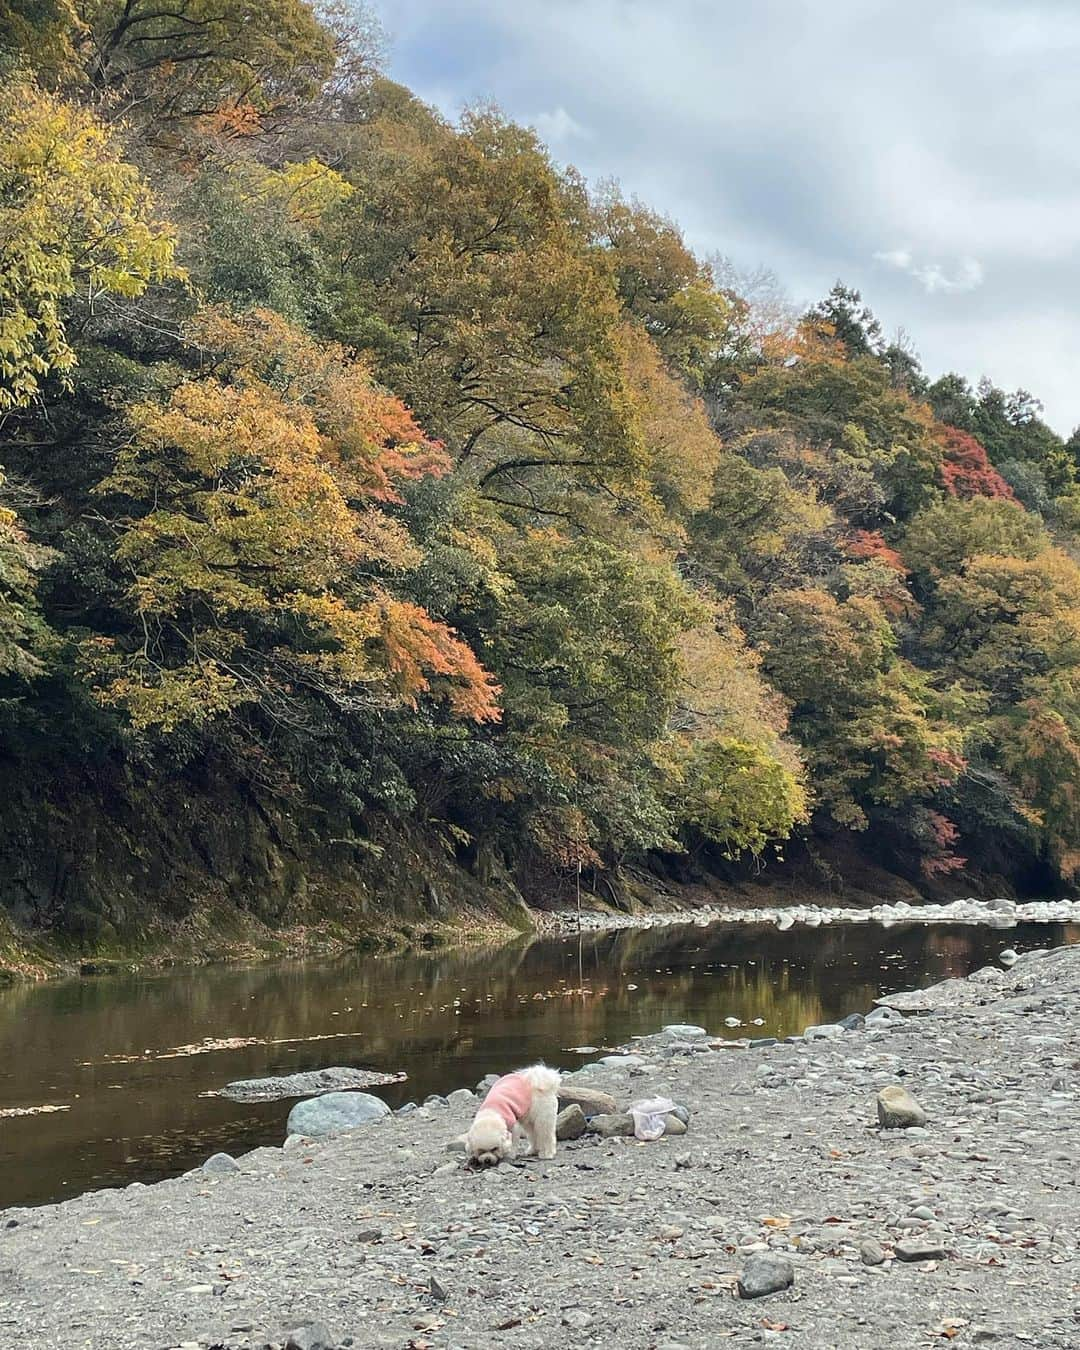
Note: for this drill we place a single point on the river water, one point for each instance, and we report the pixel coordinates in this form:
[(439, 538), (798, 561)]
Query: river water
[(120, 1051)]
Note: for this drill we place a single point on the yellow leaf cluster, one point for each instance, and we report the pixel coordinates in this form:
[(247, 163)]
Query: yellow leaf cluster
[(74, 217)]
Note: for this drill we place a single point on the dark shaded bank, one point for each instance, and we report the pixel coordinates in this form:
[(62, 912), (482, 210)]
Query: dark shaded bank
[(102, 866), (106, 868)]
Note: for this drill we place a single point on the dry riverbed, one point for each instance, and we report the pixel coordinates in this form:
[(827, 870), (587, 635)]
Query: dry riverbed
[(381, 1236)]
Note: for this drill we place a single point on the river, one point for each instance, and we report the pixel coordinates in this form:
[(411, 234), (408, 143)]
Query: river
[(126, 1054)]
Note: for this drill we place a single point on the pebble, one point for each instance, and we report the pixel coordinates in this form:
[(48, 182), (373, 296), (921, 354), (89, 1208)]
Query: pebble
[(897, 1109), (765, 1273), (871, 1252), (919, 1249), (310, 1336)]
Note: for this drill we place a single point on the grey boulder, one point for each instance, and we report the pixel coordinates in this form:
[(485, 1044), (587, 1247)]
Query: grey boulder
[(919, 1249), (592, 1101), (334, 1113), (826, 1031), (571, 1123), (612, 1124), (305, 1084), (311, 1336), (765, 1273), (682, 1031), (897, 1109), (221, 1163)]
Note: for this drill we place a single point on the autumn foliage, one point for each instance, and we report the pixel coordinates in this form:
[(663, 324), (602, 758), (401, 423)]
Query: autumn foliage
[(965, 469), (374, 460), (255, 534)]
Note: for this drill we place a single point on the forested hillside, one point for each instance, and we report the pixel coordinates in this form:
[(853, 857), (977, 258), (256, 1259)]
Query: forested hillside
[(376, 476)]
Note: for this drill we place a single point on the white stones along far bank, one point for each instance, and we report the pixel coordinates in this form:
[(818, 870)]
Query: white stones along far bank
[(997, 913)]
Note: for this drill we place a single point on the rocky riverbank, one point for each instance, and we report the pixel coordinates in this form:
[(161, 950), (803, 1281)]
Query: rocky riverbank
[(999, 913), (963, 1229)]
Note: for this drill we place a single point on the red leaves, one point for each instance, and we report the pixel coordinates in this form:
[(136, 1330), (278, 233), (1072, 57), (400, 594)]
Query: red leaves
[(966, 470), (943, 861), (870, 546)]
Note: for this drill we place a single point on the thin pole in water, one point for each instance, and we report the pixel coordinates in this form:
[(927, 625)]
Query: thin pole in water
[(580, 969), (579, 895)]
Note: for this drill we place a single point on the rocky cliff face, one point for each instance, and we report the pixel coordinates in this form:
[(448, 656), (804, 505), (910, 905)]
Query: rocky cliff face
[(111, 862)]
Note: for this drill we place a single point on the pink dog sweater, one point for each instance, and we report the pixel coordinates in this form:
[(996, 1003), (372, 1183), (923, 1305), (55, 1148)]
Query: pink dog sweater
[(511, 1097)]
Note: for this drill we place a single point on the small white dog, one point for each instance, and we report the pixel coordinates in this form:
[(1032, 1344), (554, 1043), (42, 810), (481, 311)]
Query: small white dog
[(527, 1100)]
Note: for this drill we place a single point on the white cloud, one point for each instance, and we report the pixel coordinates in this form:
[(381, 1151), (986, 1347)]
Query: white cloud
[(558, 126), (933, 277), (948, 144)]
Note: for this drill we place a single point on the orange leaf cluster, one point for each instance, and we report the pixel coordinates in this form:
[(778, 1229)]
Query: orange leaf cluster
[(870, 546), (419, 649), (966, 470)]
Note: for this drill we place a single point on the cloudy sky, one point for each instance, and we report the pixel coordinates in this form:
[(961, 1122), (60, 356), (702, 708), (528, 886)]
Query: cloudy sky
[(927, 153)]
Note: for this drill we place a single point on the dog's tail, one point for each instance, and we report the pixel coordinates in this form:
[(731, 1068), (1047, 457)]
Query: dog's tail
[(542, 1078)]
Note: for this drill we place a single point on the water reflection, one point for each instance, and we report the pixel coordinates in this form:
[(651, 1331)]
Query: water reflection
[(445, 1018)]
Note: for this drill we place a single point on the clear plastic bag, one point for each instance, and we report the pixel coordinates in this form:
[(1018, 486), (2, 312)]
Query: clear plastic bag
[(650, 1117)]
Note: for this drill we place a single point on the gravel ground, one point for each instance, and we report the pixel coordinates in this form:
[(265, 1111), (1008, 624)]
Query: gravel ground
[(382, 1236)]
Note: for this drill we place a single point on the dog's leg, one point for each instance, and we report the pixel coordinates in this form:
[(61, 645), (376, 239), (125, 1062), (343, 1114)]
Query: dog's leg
[(521, 1134), (544, 1112)]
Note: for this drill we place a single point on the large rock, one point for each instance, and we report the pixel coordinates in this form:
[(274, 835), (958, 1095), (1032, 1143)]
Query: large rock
[(824, 1031), (334, 1113), (311, 1336), (919, 1249), (612, 1124), (571, 1123), (221, 1163), (682, 1031), (592, 1101), (897, 1109), (765, 1273), (304, 1084)]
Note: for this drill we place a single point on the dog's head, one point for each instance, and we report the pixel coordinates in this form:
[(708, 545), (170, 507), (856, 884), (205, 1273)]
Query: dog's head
[(488, 1141)]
